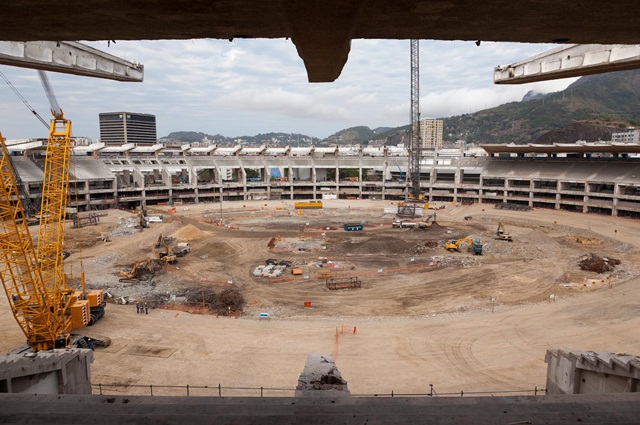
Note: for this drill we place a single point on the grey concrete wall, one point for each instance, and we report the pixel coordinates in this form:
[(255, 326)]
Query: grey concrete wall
[(47, 372), (590, 372)]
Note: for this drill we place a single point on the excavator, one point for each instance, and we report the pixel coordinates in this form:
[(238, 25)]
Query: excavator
[(474, 245), (502, 234), (140, 271), (428, 222), (167, 255), (142, 214), (33, 277)]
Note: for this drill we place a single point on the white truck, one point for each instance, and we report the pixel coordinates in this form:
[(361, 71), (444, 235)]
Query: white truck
[(182, 249), (404, 224)]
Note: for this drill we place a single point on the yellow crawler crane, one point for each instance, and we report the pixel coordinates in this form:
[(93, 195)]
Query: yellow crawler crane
[(33, 278), (42, 307)]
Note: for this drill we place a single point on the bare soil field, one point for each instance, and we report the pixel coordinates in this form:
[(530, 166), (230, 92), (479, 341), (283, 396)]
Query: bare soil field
[(423, 315)]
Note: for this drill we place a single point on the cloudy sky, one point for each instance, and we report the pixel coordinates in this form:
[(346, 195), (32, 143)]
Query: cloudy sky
[(246, 87)]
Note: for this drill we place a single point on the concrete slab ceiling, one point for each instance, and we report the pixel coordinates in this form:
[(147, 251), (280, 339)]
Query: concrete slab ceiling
[(571, 60), (323, 29), (69, 57)]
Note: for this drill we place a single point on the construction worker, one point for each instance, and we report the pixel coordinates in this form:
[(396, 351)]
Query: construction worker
[(137, 307), (146, 308)]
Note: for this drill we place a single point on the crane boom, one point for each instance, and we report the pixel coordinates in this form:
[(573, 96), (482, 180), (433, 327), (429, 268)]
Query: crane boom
[(55, 186), (55, 108)]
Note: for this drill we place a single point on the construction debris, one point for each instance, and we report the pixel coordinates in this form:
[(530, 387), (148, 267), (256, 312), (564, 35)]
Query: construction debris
[(512, 207), (595, 263), (425, 246)]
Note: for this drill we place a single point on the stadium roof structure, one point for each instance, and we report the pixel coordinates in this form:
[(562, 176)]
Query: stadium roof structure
[(568, 148)]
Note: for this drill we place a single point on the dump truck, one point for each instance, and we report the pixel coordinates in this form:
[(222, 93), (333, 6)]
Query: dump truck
[(404, 224), (182, 249)]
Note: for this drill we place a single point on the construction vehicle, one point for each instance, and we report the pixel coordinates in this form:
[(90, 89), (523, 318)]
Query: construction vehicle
[(167, 256), (142, 215), (33, 277), (140, 271), (502, 234), (162, 240), (473, 245), (308, 205), (427, 222), (182, 249), (403, 224)]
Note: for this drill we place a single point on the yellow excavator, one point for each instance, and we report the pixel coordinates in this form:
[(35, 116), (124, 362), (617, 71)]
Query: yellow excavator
[(33, 277), (473, 245), (502, 234), (427, 222), (168, 256), (140, 271)]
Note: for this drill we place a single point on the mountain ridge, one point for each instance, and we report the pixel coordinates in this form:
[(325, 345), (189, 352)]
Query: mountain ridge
[(601, 104)]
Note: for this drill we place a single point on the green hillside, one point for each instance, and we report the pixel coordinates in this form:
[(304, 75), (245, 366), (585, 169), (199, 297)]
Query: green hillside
[(610, 100)]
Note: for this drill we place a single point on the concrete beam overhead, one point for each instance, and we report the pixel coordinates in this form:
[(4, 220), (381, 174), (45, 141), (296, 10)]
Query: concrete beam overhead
[(322, 29), (570, 61), (69, 57)]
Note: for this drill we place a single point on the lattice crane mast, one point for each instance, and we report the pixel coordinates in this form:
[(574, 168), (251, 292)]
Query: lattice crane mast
[(55, 187), (33, 278), (416, 142), (42, 311)]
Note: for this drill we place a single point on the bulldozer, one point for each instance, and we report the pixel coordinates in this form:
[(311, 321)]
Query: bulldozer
[(502, 234), (473, 245)]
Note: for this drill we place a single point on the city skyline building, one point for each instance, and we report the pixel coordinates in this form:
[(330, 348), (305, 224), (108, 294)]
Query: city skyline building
[(431, 133), (118, 128)]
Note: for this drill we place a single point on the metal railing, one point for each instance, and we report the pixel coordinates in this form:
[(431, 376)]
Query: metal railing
[(224, 391)]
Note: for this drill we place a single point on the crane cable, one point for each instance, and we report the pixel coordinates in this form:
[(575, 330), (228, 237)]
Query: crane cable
[(15, 90)]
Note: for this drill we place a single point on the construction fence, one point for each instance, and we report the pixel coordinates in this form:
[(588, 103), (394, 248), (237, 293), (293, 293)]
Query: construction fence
[(224, 391)]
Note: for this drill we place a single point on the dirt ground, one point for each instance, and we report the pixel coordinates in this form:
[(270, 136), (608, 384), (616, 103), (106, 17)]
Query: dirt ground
[(423, 315)]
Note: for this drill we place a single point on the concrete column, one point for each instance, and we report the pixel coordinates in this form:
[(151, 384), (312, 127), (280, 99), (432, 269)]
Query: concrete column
[(615, 200)]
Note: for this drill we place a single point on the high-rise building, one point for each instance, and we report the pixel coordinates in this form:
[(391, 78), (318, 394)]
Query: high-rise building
[(431, 133), (117, 128)]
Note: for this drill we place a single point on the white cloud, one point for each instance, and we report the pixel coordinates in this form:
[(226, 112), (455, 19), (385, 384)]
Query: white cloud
[(247, 87)]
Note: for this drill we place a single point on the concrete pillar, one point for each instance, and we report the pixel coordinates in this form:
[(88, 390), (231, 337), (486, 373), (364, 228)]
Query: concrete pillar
[(321, 378)]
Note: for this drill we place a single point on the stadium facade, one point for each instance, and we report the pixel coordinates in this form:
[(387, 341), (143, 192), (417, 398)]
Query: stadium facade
[(602, 178)]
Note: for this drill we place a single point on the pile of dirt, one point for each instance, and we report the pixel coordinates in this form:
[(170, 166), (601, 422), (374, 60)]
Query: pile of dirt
[(425, 246), (190, 233), (595, 263)]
